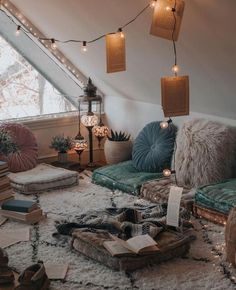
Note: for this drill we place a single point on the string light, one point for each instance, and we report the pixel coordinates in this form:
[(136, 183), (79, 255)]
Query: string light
[(175, 69), (84, 47), (53, 45), (121, 33), (166, 172), (168, 8), (18, 30), (165, 124), (153, 3)]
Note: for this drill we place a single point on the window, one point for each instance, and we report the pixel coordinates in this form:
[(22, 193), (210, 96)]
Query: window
[(24, 92)]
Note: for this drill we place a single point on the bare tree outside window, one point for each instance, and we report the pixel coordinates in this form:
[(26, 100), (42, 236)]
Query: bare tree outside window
[(24, 92)]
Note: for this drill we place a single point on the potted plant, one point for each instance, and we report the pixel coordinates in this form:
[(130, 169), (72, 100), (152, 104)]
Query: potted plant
[(117, 147), (7, 144), (61, 144)]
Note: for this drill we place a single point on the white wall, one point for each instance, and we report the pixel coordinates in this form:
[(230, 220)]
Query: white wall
[(132, 116)]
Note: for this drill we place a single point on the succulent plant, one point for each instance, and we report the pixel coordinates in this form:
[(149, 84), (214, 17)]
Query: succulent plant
[(118, 137), (61, 143), (7, 144)]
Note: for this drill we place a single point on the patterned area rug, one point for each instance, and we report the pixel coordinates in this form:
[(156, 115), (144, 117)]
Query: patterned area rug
[(203, 268)]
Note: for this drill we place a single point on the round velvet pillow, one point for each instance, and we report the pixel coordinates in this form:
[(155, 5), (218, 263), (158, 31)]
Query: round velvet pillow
[(25, 158), (153, 148)]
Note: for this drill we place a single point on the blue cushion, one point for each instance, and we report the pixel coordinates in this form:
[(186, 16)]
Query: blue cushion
[(153, 148)]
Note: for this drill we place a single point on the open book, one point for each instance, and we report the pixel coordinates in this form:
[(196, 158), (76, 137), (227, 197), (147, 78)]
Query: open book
[(142, 244)]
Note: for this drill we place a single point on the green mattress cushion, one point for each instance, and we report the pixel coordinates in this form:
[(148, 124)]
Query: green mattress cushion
[(123, 176), (220, 196)]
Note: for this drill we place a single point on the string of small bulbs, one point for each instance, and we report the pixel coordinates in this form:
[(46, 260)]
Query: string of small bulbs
[(162, 10), (84, 43)]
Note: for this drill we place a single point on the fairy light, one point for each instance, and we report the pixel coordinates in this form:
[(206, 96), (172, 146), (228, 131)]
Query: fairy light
[(175, 69), (165, 124), (122, 35), (53, 45), (153, 3), (84, 47), (18, 30)]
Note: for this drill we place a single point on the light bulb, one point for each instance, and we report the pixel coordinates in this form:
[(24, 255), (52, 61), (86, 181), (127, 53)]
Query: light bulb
[(53, 45), (168, 8), (166, 172), (164, 124), (18, 30), (153, 4), (122, 35), (84, 47), (175, 69)]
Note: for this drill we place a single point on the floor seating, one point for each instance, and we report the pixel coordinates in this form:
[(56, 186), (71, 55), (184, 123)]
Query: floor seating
[(43, 177), (123, 176), (215, 201), (152, 152), (171, 245)]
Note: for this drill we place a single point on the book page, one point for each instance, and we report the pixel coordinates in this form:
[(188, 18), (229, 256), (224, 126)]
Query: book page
[(11, 237), (137, 243), (141, 242), (116, 249), (56, 271), (172, 218)]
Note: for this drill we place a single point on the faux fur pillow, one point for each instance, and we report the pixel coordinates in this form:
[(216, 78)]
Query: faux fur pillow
[(206, 153)]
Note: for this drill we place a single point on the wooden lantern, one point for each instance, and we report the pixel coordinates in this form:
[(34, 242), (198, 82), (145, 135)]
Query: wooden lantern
[(175, 96), (164, 23), (115, 50)]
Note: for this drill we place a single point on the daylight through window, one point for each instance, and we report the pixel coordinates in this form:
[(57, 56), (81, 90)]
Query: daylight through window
[(24, 92)]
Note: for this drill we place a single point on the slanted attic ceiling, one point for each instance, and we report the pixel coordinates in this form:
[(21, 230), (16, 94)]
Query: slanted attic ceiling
[(206, 48)]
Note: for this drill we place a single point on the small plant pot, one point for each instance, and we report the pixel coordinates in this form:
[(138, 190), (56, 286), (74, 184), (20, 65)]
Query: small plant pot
[(62, 157), (117, 151)]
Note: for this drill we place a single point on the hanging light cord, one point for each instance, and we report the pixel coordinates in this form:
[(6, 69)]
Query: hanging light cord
[(75, 40), (175, 59), (173, 32), (79, 118)]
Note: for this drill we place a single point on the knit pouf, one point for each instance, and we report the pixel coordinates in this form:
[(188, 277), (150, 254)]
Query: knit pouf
[(205, 154)]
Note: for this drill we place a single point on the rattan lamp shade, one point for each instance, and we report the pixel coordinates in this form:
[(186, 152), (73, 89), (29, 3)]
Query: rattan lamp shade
[(175, 96), (163, 21)]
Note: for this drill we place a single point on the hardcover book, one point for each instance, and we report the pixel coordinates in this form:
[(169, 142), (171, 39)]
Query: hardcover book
[(17, 205), (31, 217)]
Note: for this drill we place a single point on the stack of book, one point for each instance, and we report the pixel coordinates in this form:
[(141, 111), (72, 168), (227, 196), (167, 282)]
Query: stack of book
[(5, 187), (22, 210)]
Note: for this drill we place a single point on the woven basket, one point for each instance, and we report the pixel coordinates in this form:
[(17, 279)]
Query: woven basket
[(117, 151)]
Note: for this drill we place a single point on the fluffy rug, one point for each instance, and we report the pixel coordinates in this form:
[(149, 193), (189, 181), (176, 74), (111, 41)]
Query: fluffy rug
[(203, 268)]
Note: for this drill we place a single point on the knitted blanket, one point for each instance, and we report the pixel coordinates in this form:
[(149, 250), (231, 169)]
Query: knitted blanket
[(124, 222)]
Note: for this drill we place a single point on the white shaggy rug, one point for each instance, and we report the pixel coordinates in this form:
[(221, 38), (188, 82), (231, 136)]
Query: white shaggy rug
[(203, 268)]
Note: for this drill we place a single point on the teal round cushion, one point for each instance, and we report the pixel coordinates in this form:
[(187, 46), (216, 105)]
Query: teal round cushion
[(153, 148)]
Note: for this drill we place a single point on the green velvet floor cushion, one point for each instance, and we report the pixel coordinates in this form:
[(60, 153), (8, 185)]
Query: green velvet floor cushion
[(220, 197), (123, 176), (153, 148)]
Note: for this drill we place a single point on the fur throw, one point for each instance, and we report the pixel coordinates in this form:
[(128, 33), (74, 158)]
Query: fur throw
[(205, 153)]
